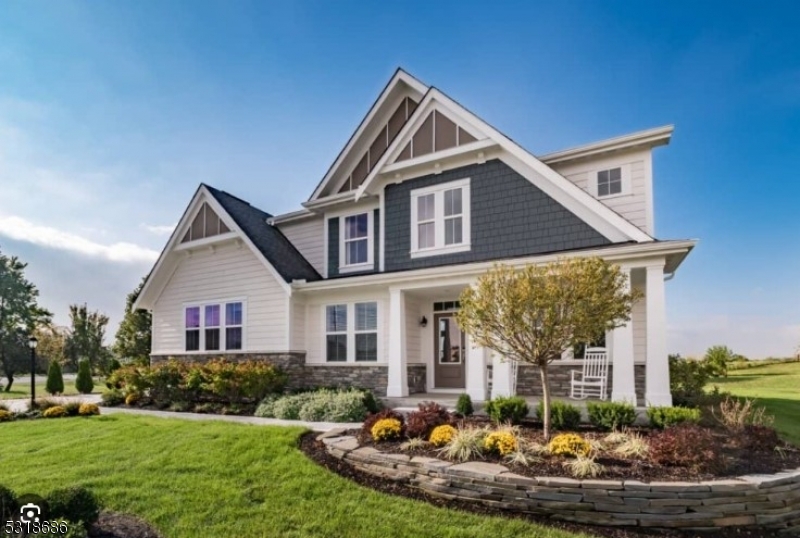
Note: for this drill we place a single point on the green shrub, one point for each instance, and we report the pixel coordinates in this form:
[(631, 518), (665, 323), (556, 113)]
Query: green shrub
[(563, 416), (464, 405), (114, 365), (611, 415), (55, 380), (687, 379), (349, 406), (322, 405), (208, 408), (664, 417), (180, 406), (507, 409), (74, 530), (72, 408), (8, 504), (84, 383), (372, 404), (112, 398), (75, 504)]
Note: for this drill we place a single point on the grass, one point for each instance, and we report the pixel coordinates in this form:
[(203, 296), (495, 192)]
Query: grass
[(22, 387), (194, 479), (775, 386)]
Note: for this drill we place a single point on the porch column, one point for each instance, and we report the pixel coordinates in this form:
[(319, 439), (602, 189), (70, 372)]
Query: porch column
[(502, 382), (657, 375), (623, 380), (397, 386), (476, 371)]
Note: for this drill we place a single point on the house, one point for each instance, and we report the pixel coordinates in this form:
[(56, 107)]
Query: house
[(359, 286)]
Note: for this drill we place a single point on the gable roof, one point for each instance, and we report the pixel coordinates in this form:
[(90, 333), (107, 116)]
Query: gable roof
[(399, 79), (268, 239), (598, 215)]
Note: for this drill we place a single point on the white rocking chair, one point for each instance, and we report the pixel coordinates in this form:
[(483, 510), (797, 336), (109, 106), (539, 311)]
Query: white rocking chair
[(594, 378)]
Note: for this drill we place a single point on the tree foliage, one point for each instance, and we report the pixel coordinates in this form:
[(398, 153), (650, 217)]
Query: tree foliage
[(52, 340), (55, 380), (718, 357), (20, 314), (85, 339), (531, 315), (84, 382), (133, 338)]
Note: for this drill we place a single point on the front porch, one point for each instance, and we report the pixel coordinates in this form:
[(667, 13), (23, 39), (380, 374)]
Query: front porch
[(422, 335)]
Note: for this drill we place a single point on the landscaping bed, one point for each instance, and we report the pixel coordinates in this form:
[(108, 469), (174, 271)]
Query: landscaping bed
[(316, 450), (737, 458)]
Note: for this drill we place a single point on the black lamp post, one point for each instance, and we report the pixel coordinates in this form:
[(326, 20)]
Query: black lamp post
[(32, 341)]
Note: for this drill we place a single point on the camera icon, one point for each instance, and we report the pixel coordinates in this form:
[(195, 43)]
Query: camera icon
[(29, 513)]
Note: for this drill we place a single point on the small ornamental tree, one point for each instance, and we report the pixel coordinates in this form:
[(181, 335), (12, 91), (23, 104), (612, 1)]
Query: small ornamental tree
[(718, 357), (55, 381), (533, 314), (84, 382)]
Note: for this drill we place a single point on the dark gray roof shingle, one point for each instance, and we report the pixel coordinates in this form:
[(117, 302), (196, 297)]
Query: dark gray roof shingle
[(269, 240)]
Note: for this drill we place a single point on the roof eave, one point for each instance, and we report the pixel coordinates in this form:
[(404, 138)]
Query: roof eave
[(657, 136)]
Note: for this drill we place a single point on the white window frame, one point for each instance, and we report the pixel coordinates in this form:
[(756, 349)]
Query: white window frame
[(222, 326), (370, 263), (625, 181), (466, 228), (351, 332)]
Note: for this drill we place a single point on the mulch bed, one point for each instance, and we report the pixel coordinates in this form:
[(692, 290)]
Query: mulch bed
[(115, 525), (738, 460), (315, 450)]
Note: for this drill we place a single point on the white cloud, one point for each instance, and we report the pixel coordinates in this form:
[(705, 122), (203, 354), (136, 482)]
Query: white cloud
[(23, 230), (158, 230)]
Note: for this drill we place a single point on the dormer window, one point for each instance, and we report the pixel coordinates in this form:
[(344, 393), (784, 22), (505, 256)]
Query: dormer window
[(356, 242), (612, 182)]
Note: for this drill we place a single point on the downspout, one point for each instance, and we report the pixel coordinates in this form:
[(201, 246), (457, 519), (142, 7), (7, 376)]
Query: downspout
[(669, 276)]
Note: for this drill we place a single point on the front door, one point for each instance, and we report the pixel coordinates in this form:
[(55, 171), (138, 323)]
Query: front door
[(449, 353)]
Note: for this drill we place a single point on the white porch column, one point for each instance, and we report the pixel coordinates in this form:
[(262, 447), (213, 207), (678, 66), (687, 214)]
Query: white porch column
[(501, 377), (623, 381), (476, 371), (657, 375), (397, 386)]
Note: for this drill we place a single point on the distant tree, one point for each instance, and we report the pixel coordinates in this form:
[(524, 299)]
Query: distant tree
[(85, 339), (55, 381), (531, 315), (52, 340), (134, 335), (84, 382), (20, 314), (718, 357)]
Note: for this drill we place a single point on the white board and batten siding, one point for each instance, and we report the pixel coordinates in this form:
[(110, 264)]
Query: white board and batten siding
[(315, 322), (636, 205), (229, 272), (308, 236)]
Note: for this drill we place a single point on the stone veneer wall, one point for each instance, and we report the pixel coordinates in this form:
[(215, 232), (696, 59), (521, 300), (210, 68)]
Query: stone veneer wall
[(529, 380), (302, 375), (770, 501)]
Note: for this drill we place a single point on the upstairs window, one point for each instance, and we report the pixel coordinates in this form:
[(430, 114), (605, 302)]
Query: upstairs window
[(356, 248), (612, 182), (440, 219)]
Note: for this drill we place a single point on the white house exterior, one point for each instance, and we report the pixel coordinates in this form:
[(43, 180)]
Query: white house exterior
[(359, 286)]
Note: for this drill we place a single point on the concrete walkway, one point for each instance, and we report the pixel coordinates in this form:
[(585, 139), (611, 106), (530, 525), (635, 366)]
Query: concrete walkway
[(314, 426)]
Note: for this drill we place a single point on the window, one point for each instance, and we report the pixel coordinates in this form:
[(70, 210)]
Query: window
[(440, 219), (212, 327), (233, 326), (356, 248), (351, 342), (614, 181), (193, 328), (204, 326), (336, 333), (366, 332)]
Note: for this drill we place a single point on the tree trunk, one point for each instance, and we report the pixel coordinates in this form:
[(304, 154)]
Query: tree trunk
[(10, 378), (545, 401)]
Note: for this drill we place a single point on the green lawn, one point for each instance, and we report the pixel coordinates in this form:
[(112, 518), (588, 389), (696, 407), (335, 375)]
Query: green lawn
[(22, 387), (776, 386), (195, 479)]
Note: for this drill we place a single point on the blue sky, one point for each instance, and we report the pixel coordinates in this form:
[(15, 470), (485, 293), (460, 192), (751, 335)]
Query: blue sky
[(112, 113)]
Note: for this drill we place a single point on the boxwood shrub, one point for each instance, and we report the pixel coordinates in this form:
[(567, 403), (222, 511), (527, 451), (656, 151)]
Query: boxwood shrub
[(563, 416), (664, 417), (507, 409), (322, 405), (611, 415)]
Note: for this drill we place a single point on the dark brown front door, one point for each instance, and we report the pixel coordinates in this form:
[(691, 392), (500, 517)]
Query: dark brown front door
[(449, 353)]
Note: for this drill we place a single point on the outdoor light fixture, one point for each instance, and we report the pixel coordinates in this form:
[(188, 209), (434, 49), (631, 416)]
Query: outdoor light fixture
[(423, 322), (32, 342)]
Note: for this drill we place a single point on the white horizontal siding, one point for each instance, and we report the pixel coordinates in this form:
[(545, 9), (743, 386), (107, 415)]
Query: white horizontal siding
[(315, 321), (298, 330), (632, 206), (308, 236), (230, 272)]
